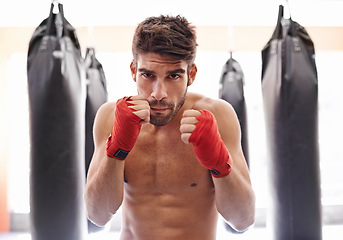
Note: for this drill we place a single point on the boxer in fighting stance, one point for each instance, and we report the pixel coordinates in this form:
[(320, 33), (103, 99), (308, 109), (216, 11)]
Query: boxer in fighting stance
[(171, 159)]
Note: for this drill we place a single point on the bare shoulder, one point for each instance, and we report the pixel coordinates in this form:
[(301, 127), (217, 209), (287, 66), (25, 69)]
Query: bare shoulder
[(218, 107), (106, 108)]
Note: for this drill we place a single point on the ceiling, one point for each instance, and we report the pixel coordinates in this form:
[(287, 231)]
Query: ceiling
[(213, 12)]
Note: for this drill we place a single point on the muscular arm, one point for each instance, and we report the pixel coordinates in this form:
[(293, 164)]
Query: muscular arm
[(105, 181), (235, 198), (104, 189)]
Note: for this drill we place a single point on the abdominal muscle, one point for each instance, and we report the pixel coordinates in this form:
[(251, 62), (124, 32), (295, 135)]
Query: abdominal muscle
[(167, 203), (164, 216)]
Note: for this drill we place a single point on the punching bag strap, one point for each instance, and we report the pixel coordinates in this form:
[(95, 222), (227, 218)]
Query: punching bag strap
[(292, 31), (49, 28), (64, 25), (230, 67), (278, 29), (59, 23), (49, 23), (227, 69), (278, 32), (50, 20)]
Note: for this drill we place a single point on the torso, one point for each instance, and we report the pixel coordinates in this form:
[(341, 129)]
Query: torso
[(168, 193)]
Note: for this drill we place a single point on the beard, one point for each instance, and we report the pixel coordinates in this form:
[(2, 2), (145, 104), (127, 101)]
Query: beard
[(159, 119)]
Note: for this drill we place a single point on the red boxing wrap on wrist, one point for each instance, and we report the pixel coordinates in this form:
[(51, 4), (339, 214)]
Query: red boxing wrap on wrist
[(125, 131), (209, 147)]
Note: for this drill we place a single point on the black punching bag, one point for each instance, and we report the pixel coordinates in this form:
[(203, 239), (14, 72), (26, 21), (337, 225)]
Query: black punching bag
[(232, 91), (56, 87), (290, 96), (96, 96)]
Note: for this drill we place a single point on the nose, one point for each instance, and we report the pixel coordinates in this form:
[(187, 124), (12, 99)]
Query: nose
[(159, 90)]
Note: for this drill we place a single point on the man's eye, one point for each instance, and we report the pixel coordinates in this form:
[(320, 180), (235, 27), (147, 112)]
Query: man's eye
[(174, 76), (147, 75)]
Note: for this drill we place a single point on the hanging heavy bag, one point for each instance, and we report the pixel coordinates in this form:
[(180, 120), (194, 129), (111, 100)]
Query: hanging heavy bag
[(56, 87), (96, 96), (290, 96), (232, 91)]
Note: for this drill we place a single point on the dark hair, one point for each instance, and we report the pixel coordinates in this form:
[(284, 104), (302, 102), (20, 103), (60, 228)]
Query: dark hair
[(173, 37)]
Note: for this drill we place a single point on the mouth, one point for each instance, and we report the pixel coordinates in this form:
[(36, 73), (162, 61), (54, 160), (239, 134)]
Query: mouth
[(159, 109)]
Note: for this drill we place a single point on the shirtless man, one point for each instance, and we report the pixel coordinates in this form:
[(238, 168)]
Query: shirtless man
[(171, 159)]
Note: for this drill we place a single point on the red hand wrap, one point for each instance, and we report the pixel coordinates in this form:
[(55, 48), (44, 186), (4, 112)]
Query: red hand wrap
[(209, 147), (125, 131)]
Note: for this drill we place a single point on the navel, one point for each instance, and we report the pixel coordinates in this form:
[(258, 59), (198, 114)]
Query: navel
[(194, 185)]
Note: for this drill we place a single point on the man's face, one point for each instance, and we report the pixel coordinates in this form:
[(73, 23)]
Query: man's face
[(164, 83)]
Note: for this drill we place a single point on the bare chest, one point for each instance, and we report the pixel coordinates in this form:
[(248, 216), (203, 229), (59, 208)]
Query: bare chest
[(163, 164)]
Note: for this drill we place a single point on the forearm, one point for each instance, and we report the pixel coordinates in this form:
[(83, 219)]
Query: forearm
[(104, 190), (235, 199)]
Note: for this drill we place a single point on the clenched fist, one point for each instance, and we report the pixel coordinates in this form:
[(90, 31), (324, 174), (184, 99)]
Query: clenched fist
[(141, 108), (188, 122), (130, 113), (200, 129)]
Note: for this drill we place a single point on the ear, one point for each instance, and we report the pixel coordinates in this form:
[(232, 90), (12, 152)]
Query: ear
[(192, 73), (133, 70)]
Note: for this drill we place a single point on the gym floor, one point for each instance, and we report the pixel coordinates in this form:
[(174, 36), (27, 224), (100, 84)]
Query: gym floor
[(329, 232)]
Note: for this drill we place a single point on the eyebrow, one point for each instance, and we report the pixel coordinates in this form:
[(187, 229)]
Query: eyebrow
[(179, 70), (145, 70)]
